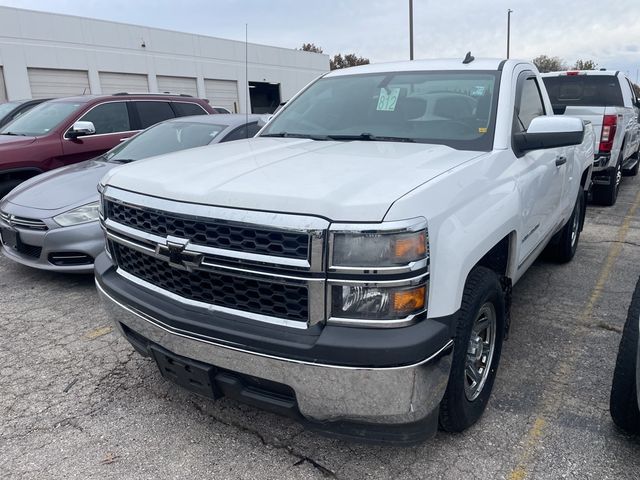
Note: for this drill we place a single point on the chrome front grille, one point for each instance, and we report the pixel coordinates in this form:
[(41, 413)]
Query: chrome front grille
[(264, 297), (23, 222), (175, 249), (216, 233)]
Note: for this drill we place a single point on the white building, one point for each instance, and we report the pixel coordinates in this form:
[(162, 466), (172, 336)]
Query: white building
[(46, 55)]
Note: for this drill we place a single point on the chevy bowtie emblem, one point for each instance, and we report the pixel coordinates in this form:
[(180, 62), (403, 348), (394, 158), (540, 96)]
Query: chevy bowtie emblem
[(176, 253)]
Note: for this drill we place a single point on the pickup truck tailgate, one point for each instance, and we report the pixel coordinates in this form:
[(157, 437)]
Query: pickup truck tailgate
[(591, 114)]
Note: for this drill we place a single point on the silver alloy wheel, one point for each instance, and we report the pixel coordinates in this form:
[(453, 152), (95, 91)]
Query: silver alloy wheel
[(480, 351), (575, 226), (618, 175)]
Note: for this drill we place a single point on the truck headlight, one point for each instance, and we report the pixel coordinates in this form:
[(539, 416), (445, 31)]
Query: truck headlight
[(84, 214), (378, 303), (393, 246)]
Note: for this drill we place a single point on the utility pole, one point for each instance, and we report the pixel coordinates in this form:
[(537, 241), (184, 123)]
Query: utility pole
[(509, 11), (410, 29)]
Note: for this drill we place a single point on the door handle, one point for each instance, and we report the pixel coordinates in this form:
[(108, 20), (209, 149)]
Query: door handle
[(560, 160)]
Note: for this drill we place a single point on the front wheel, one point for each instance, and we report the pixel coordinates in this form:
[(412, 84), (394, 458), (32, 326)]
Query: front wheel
[(476, 351)]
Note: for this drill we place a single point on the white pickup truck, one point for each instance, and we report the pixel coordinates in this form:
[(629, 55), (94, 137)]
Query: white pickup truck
[(607, 99), (351, 266)]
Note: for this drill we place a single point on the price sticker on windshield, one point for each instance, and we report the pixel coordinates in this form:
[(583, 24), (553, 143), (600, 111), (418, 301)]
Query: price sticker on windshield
[(388, 99)]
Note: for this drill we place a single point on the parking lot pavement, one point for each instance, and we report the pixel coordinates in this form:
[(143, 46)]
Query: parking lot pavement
[(76, 402)]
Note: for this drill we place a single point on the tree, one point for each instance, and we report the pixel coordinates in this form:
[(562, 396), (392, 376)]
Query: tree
[(310, 47), (549, 64), (338, 61), (585, 65), (349, 60)]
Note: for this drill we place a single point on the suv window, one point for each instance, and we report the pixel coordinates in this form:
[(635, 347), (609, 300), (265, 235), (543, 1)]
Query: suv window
[(584, 90), (529, 105), (242, 132), (153, 112), (109, 117), (184, 109)]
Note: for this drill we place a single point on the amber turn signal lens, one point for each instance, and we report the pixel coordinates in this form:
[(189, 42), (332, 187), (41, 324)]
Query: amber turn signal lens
[(413, 246), (408, 301)]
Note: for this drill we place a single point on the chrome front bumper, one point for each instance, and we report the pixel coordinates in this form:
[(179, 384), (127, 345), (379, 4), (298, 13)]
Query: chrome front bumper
[(324, 393)]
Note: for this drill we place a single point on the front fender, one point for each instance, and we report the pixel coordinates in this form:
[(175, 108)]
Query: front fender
[(468, 211)]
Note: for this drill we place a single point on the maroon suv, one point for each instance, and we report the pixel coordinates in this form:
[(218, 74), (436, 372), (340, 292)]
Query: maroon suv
[(69, 130)]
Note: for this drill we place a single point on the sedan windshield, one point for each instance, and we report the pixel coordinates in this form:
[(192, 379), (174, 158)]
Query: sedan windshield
[(165, 138), (41, 119), (451, 108), (7, 107)]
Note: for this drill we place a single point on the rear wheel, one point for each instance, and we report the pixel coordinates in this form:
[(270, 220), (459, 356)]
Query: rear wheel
[(623, 403), (563, 248), (608, 194), (476, 351)]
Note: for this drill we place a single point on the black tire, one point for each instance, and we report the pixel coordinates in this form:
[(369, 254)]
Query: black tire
[(7, 186), (608, 194), (623, 403), (457, 411), (563, 248)]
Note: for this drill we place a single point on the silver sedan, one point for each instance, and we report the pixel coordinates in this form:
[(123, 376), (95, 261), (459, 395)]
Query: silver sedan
[(51, 221)]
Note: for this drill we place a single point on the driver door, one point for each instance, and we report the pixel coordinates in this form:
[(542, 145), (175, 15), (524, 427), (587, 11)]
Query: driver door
[(542, 172), (113, 125)]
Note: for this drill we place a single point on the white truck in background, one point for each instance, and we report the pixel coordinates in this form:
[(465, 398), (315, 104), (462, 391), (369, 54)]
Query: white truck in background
[(350, 266), (608, 100)]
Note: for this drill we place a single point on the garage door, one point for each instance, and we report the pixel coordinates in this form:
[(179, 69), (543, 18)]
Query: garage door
[(123, 82), (223, 93), (178, 85), (50, 83), (3, 91)]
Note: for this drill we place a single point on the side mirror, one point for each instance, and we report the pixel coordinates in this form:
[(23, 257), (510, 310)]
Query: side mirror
[(550, 132), (81, 129), (264, 119)]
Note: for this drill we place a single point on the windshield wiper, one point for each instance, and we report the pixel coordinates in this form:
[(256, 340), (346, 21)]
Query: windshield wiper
[(296, 135), (14, 133), (371, 137)]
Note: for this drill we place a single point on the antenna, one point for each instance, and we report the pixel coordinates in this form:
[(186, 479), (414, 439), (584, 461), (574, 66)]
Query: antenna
[(468, 58), (246, 76)]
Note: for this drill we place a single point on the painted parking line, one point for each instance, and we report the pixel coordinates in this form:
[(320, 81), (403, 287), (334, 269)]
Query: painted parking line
[(552, 399), (99, 332)]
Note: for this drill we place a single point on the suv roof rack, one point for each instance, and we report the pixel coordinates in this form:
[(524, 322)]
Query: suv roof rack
[(153, 93)]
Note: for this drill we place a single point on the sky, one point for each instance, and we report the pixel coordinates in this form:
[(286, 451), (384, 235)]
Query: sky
[(607, 31)]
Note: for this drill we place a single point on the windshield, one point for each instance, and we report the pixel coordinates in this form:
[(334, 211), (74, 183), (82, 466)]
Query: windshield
[(7, 107), (41, 119), (451, 108), (584, 90), (165, 138)]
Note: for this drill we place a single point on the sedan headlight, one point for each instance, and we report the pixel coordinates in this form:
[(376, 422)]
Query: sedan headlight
[(84, 214)]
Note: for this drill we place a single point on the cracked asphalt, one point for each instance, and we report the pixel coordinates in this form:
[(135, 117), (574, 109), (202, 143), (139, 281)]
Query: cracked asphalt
[(77, 402)]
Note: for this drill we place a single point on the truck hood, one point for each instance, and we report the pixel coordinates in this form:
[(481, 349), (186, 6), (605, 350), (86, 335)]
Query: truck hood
[(8, 141), (341, 181), (63, 188)]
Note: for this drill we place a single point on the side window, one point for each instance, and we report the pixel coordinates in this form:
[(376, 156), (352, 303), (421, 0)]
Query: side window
[(528, 106), (185, 109), (236, 134), (110, 117), (634, 97), (153, 112)]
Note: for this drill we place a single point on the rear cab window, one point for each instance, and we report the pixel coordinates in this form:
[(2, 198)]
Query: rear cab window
[(584, 90)]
